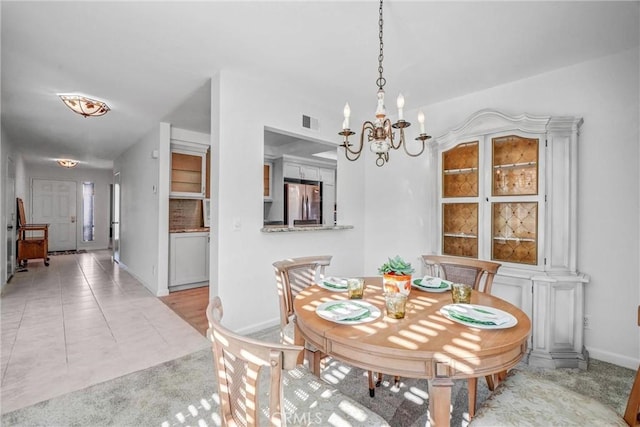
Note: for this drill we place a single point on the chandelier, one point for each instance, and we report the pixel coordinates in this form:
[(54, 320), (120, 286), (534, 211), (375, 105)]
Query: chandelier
[(379, 132), (67, 163), (85, 106)]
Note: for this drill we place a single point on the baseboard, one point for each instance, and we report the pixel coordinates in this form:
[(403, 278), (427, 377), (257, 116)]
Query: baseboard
[(614, 358), (124, 267)]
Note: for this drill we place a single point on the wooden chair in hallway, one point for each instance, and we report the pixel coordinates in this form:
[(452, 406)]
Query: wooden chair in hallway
[(525, 398), (33, 239), (293, 394), (292, 276), (477, 273)]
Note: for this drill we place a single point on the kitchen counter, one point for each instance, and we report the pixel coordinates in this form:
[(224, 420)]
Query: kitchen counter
[(190, 230)]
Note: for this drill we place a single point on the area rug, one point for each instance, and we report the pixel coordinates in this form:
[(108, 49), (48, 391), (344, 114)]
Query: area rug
[(183, 392), (70, 252)]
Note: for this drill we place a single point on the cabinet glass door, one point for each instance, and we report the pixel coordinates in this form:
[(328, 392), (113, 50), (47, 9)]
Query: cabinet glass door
[(515, 235), (514, 224), (460, 187), (460, 229), (515, 166), (460, 171)]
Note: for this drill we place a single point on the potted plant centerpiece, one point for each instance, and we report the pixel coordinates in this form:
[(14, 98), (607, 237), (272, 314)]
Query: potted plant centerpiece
[(396, 275)]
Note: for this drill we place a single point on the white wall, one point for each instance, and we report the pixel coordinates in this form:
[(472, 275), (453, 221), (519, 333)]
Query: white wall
[(139, 213), (242, 274), (605, 92), (101, 178)]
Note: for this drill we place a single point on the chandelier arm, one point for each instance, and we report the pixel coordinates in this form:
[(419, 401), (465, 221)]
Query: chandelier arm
[(417, 154), (355, 156), (370, 127), (395, 147), (348, 149)]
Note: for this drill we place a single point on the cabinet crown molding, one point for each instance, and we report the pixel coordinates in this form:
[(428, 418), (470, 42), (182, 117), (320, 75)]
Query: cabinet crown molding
[(493, 121)]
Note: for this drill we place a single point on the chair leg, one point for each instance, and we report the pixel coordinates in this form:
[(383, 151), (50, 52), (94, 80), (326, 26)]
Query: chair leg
[(472, 385), (396, 380), (372, 389), (491, 385), (314, 358)]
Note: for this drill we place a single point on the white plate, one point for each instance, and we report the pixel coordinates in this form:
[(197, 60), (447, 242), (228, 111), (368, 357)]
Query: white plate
[(335, 284), (503, 319), (445, 286), (374, 312)]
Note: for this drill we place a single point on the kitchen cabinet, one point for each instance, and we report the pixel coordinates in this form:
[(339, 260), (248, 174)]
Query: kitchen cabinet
[(267, 179), (506, 191), (327, 176), (189, 171), (188, 260), (301, 171)]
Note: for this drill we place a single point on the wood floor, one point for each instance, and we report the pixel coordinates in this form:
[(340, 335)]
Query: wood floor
[(191, 305)]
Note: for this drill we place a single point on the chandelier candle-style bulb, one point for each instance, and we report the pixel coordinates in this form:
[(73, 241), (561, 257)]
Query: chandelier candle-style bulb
[(347, 114), (400, 107), (421, 120)]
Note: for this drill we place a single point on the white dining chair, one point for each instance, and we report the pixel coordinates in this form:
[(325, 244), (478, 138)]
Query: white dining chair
[(259, 383), (477, 273)]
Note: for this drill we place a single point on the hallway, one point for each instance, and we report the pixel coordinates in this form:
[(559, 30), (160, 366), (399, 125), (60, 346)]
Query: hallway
[(81, 321)]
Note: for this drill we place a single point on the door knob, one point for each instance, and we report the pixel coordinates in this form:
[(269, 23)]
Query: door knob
[(73, 219)]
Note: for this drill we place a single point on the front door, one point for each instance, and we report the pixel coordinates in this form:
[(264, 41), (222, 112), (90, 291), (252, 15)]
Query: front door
[(54, 203)]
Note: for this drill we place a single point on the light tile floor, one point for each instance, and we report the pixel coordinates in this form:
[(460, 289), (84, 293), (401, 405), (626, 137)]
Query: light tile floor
[(81, 321)]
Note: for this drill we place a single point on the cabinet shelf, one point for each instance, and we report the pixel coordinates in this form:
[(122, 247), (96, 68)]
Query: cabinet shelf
[(515, 165), (514, 239), (461, 235), (459, 171)]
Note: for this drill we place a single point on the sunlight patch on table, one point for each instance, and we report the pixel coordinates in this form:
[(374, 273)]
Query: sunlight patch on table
[(466, 344), (403, 342), (414, 336)]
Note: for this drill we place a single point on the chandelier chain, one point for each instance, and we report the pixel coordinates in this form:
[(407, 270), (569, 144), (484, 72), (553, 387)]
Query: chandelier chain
[(381, 80)]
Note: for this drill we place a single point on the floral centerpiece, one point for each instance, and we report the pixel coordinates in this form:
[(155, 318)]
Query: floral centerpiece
[(396, 275)]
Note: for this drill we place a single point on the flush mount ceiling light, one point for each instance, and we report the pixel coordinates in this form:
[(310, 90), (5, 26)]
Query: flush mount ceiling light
[(67, 163), (84, 106), (379, 132)]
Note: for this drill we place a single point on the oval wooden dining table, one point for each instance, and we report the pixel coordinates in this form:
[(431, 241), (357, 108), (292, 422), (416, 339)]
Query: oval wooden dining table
[(424, 344)]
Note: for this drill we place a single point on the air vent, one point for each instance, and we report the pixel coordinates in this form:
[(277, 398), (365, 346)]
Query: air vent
[(309, 122)]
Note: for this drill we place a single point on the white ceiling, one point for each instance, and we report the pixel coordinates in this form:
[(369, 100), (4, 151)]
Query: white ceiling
[(151, 61)]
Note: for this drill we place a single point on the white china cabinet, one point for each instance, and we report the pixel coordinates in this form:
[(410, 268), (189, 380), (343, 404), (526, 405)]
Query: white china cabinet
[(506, 191)]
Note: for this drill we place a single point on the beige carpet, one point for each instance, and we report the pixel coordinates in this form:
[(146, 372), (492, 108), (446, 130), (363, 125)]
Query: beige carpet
[(183, 392)]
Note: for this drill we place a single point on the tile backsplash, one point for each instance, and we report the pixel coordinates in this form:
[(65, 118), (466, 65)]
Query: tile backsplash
[(185, 213)]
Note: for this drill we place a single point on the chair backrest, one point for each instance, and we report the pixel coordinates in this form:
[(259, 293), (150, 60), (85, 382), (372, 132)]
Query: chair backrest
[(471, 271), (292, 276), (21, 217), (238, 361)]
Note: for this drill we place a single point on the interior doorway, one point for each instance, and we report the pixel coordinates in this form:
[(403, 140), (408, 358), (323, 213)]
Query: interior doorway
[(115, 223), (10, 219)]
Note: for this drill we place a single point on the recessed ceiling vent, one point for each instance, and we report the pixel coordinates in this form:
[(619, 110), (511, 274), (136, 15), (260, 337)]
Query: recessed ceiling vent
[(309, 122)]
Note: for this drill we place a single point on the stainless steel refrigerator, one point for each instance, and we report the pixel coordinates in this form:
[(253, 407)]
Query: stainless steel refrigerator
[(302, 203)]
